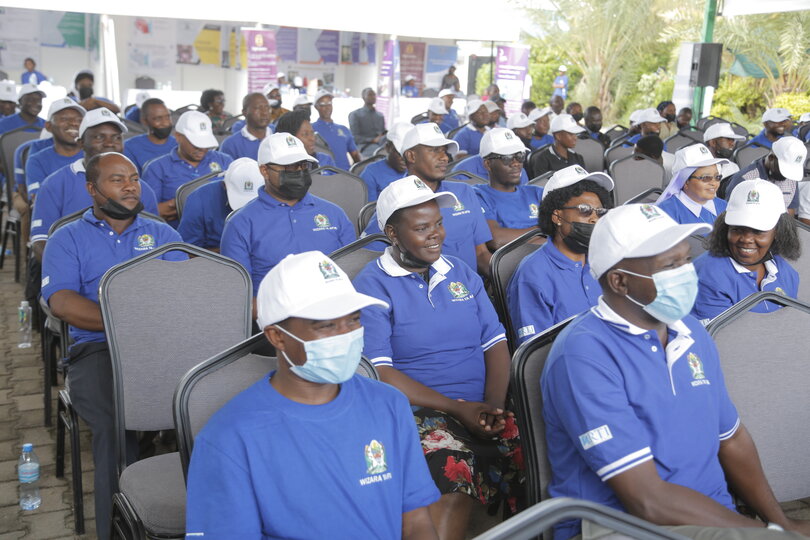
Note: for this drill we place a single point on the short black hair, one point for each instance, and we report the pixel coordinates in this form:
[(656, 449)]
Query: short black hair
[(29, 59), (593, 109), (560, 197), (570, 106), (208, 97), (685, 110), (365, 91), (663, 105), (247, 98), (650, 146), (292, 121), (151, 102), (84, 75), (785, 240)]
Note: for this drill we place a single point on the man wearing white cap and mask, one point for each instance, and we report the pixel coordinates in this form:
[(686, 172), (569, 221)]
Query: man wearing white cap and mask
[(207, 207), (8, 98), (776, 122), (560, 154), (649, 122), (667, 454), (278, 460), (451, 120), (468, 138), (194, 156), (381, 173), (30, 100), (720, 139)]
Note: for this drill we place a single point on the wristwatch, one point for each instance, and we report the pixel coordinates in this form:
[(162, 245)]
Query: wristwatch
[(775, 527)]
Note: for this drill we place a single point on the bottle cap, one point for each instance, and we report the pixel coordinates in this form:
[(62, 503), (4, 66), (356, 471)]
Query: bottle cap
[(27, 447), (24, 303)]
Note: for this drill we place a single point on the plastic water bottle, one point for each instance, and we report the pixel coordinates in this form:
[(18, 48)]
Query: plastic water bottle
[(24, 317), (28, 473)]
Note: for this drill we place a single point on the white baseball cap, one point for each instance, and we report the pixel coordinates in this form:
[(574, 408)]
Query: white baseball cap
[(242, 182), (409, 191), (269, 87), (791, 154), (140, 97), (446, 92), (62, 104), (565, 122), (437, 106), (536, 114), (308, 285), (650, 115), (473, 105), (196, 127), (501, 141), (409, 78), (633, 119), (757, 204), (283, 149), (721, 129), (96, 117), (517, 121), (397, 134), (8, 91), (635, 230), (805, 117), (491, 106), (777, 114), (694, 156), (302, 99), (29, 89), (322, 94), (573, 174), (428, 134), (562, 68)]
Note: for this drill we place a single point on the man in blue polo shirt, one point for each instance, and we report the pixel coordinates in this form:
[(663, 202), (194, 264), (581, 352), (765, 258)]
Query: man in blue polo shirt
[(468, 138), (8, 98), (426, 152), (83, 93), (208, 206), (637, 413), (245, 142), (64, 118), (194, 156), (451, 120), (278, 460), (338, 137), (381, 173), (649, 122), (775, 123), (542, 124), (509, 207), (109, 233), (30, 100), (31, 75), (158, 141), (285, 218)]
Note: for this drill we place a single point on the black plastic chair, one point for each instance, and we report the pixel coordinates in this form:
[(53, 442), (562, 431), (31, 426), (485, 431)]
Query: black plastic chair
[(364, 217), (182, 193), (465, 176), (341, 188), (452, 132), (360, 166), (615, 132), (354, 257)]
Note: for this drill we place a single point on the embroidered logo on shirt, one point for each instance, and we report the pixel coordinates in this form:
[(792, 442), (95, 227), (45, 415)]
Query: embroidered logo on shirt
[(46, 280), (340, 132), (650, 211), (595, 436), (145, 241), (458, 290), (215, 167), (779, 290), (459, 207), (375, 458), (534, 211), (328, 270), (696, 366), (753, 197), (321, 221)]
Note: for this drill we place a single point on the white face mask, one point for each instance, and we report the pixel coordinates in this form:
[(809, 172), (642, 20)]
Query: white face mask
[(330, 360), (274, 102), (676, 291)]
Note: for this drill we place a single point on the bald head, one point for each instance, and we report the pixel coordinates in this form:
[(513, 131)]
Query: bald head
[(99, 164)]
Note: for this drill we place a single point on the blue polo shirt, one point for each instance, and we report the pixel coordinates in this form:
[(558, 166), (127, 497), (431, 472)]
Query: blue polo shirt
[(339, 139), (33, 77), (358, 481), (141, 150), (239, 124), (475, 165), (435, 333), (542, 141), (678, 211), (266, 230), (410, 91), (450, 121), (133, 114), (65, 192), (518, 209), (614, 397), (35, 146), (325, 159), (562, 92), (547, 288), (469, 139), (16, 121), (204, 215), (242, 144), (82, 251), (722, 282), (44, 163), (464, 225), (377, 176), (761, 140)]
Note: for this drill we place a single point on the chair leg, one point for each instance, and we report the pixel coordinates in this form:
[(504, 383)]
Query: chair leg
[(47, 353), (60, 439), (70, 419), (17, 255), (5, 243)]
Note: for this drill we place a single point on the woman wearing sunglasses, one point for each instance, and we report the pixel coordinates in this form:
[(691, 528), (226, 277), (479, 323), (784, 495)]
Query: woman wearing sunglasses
[(691, 196), (554, 282), (747, 251)]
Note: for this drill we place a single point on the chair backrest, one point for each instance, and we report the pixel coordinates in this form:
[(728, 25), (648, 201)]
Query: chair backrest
[(163, 317), (615, 132), (364, 217), (354, 257), (530, 159), (182, 193), (322, 146), (360, 166), (802, 266), (739, 130), (648, 196), (177, 113), (697, 244), (133, 128), (341, 188), (617, 152), (764, 361), (9, 141), (226, 125), (419, 118), (527, 367), (145, 82), (707, 121), (206, 387), (64, 220), (592, 152), (467, 177), (452, 132), (683, 138), (746, 155), (634, 174), (502, 267), (542, 180)]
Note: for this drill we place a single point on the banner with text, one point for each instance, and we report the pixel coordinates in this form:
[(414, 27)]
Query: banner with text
[(151, 49), (261, 57), (412, 61), (511, 66), (318, 46), (439, 60), (389, 83)]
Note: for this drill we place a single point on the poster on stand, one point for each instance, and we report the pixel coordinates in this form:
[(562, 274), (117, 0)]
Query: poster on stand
[(412, 62), (199, 43), (151, 48), (261, 57), (389, 82), (439, 60), (511, 66)]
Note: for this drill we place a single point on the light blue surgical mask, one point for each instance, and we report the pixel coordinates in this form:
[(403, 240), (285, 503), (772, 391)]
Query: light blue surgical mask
[(330, 360), (675, 290)]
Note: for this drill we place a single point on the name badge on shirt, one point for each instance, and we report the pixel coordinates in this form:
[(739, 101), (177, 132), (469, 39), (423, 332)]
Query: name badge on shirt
[(595, 437)]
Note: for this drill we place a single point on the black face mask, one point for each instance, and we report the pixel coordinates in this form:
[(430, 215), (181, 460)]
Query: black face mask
[(725, 153), (595, 127), (670, 117), (116, 210), (294, 184), (162, 133), (85, 92), (577, 117), (580, 237)]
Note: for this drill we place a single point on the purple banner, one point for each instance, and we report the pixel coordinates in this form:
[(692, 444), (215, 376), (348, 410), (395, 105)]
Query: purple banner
[(287, 44), (261, 57), (511, 66), (388, 89), (328, 45)]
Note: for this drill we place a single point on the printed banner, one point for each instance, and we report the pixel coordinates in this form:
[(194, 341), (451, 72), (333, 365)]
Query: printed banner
[(511, 66), (318, 46), (389, 83), (152, 47), (62, 29), (358, 48), (439, 60), (199, 43), (18, 41), (261, 57), (287, 44), (412, 61)]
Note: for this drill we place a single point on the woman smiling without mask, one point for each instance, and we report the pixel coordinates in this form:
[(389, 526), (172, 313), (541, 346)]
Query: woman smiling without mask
[(691, 196), (555, 282), (441, 344), (747, 251)]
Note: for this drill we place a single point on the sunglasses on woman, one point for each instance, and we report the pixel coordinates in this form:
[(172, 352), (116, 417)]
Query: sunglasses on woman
[(585, 210)]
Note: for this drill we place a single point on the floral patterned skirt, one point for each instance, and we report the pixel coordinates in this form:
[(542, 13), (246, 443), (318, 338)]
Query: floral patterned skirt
[(488, 470)]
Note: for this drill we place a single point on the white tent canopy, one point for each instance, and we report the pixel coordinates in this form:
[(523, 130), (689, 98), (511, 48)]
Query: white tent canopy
[(751, 7), (480, 20)]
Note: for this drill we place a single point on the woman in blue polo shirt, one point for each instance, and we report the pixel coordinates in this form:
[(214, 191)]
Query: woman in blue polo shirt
[(747, 251), (441, 344), (555, 282), (691, 196)]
